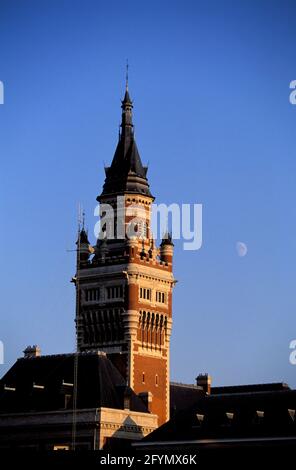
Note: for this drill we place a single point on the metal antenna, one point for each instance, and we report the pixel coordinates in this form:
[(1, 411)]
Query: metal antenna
[(80, 217), (81, 220)]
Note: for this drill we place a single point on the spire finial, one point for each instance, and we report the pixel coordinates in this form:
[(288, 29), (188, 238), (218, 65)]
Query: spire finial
[(126, 75), (79, 217), (83, 219)]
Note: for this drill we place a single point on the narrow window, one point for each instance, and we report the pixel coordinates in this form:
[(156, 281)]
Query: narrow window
[(156, 380), (143, 377)]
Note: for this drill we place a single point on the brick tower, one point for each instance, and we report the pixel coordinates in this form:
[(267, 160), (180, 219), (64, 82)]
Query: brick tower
[(124, 283)]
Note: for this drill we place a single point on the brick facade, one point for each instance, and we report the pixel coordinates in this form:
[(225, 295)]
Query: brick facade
[(124, 283)]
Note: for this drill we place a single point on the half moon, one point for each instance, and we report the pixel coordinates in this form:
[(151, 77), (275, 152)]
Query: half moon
[(241, 249)]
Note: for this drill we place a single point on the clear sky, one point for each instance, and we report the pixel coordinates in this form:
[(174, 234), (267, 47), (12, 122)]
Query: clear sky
[(210, 84)]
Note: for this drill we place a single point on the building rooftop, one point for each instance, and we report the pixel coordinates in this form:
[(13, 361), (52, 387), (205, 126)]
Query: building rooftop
[(45, 383), (229, 412)]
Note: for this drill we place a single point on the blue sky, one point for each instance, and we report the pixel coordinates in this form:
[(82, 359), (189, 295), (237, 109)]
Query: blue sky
[(210, 83)]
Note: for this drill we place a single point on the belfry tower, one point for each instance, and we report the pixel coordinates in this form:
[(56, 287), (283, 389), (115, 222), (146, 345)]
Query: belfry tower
[(124, 283)]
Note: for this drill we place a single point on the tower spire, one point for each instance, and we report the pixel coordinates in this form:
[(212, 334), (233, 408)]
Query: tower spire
[(138, 317), (126, 172), (127, 114), (126, 76)]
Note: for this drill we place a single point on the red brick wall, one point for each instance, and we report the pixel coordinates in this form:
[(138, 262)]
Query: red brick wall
[(152, 366)]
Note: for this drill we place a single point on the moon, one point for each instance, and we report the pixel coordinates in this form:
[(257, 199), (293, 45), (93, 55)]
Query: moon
[(241, 249)]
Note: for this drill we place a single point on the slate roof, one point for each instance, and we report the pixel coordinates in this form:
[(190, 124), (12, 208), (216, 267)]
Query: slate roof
[(127, 98), (126, 173), (268, 387), (183, 396), (83, 237), (244, 411), (99, 384)]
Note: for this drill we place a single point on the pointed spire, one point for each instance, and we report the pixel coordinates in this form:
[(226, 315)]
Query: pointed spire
[(82, 237), (127, 101), (83, 248), (127, 115), (82, 233), (126, 173), (167, 239)]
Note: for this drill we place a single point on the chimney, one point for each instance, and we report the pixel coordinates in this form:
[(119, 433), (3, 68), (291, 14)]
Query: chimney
[(204, 381), (125, 392), (32, 351), (127, 396), (147, 399)]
